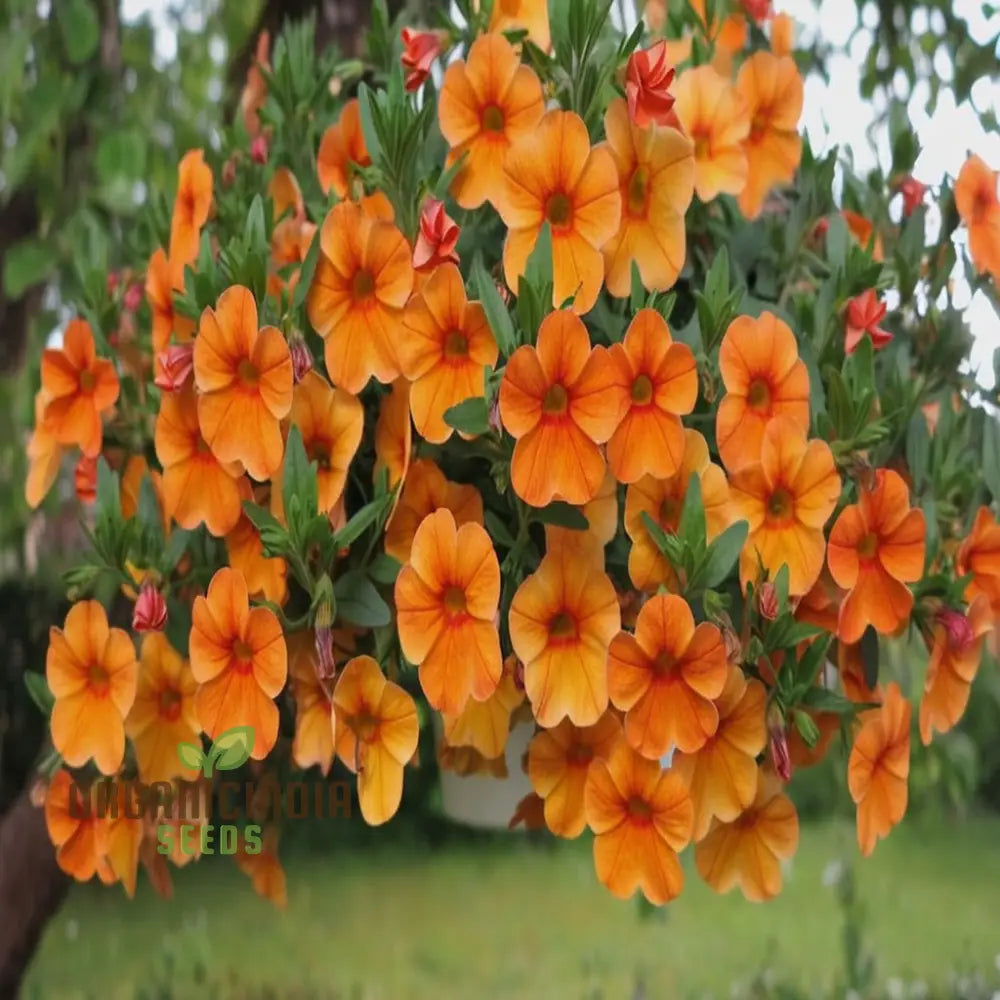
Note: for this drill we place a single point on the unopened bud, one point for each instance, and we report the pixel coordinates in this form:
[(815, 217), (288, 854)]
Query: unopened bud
[(779, 743), (326, 666), (960, 635), (302, 361), (85, 479), (258, 149), (173, 366), (133, 296), (767, 600), (734, 648), (150, 610), (229, 172)]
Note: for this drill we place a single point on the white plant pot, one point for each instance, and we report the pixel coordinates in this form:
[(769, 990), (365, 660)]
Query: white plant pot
[(483, 801)]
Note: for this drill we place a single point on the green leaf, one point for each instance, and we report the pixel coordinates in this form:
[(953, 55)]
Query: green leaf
[(368, 130), (174, 549), (384, 569), (121, 156), (780, 582), (692, 526), (991, 454), (38, 688), (299, 478), (808, 729), (869, 656), (109, 507), (671, 546), (717, 281), (637, 295), (497, 315), (471, 416), (231, 749), (255, 230), (562, 515), (25, 264), (307, 272), (191, 755), (361, 521), (80, 28), (824, 700), (837, 241), (358, 602), (538, 269), (723, 554)]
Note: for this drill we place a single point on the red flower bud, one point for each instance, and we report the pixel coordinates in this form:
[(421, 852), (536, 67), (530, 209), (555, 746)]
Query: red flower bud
[(864, 313), (326, 665), (302, 361), (133, 296), (85, 479), (174, 366), (822, 225), (960, 634), (734, 648), (150, 610), (767, 600), (757, 10), (229, 172), (913, 194), (779, 743), (436, 238), (420, 49), (112, 282), (648, 77), (258, 149)]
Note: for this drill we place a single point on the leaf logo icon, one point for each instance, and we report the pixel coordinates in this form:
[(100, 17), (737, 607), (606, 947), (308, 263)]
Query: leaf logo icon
[(230, 750)]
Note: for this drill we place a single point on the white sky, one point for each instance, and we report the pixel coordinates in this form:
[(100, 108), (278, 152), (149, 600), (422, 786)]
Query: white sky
[(835, 115)]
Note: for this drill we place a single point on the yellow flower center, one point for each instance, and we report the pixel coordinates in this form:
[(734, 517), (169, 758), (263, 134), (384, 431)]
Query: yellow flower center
[(759, 395), (580, 754), (638, 192), (642, 390), (779, 504), (318, 451), (638, 808), (665, 664), (761, 123), (363, 285), (365, 726), (670, 513), (456, 345), (98, 680), (559, 210), (868, 546), (454, 601), (87, 381), (243, 655), (562, 626), (492, 119), (247, 372), (702, 145), (170, 704), (556, 400)]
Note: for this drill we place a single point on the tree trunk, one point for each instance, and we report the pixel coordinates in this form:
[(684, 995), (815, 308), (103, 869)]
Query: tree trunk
[(32, 887)]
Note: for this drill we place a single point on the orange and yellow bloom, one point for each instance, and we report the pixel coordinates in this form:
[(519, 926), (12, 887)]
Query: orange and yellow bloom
[(447, 597), (192, 204), (876, 547), (979, 206)]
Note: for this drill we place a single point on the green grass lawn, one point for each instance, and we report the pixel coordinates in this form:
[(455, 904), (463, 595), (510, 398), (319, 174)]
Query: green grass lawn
[(525, 921)]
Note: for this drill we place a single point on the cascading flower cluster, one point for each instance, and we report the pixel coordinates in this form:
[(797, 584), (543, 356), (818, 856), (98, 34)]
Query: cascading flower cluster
[(597, 425)]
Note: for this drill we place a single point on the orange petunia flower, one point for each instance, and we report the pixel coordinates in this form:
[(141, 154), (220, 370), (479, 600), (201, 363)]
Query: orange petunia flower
[(425, 490), (661, 382), (978, 205), (341, 150), (486, 103), (315, 722), (163, 278), (363, 280), (864, 233), (663, 500), (721, 777), (162, 714), (239, 659), (656, 180), (523, 15), (952, 668), (484, 725), (559, 761), (764, 377), (394, 435), (979, 555), (262, 867), (875, 549), (602, 522), (863, 315), (331, 422), (446, 346), (878, 768), (665, 677), (124, 835), (197, 488), (377, 733), (748, 851), (560, 399), (244, 380), (552, 175), (77, 831), (266, 577), (772, 89), (254, 93), (44, 455), (447, 597), (712, 113), (91, 670), (79, 387), (562, 620), (191, 207), (786, 498), (641, 817)]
